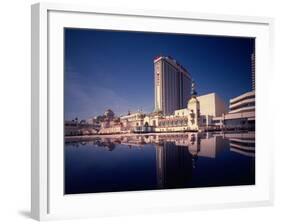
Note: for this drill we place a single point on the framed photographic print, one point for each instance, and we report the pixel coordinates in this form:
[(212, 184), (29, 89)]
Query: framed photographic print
[(138, 111)]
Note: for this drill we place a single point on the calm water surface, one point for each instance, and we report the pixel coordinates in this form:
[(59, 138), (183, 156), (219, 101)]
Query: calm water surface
[(159, 162)]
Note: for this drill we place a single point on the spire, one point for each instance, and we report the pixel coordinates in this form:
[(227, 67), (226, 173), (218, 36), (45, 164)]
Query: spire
[(193, 91)]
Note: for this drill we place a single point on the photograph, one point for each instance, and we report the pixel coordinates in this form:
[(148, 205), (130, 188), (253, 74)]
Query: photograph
[(157, 111)]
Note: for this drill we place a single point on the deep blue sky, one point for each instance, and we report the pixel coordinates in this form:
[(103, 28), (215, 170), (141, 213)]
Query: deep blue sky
[(114, 69)]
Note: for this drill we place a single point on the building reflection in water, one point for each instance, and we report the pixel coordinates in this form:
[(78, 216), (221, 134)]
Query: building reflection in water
[(176, 157), (243, 143), (177, 154), (174, 165)]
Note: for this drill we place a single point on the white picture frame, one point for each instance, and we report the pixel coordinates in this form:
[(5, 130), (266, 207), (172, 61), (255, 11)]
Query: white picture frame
[(47, 201)]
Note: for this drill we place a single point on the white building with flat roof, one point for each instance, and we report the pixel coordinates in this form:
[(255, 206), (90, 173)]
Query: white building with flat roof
[(241, 113), (243, 103), (212, 105)]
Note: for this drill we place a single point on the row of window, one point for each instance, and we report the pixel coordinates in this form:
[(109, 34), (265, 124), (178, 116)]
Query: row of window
[(252, 104), (216, 121), (173, 123), (244, 98), (248, 144)]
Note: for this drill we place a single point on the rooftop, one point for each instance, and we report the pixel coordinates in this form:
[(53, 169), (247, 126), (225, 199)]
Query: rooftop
[(170, 59)]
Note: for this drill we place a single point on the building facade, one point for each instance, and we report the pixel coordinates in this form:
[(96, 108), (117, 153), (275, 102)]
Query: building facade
[(241, 115), (211, 104), (131, 121), (243, 103), (172, 85)]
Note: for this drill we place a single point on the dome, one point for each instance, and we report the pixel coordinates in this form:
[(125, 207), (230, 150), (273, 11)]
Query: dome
[(109, 113), (193, 100)]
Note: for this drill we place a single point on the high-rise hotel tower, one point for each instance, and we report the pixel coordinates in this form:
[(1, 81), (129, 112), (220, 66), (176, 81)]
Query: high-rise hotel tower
[(253, 68), (172, 85)]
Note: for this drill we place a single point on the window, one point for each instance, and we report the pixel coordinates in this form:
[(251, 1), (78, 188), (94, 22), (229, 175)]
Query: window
[(216, 121)]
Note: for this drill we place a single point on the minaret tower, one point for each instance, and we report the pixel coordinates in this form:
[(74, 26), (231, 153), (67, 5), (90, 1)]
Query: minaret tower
[(193, 106)]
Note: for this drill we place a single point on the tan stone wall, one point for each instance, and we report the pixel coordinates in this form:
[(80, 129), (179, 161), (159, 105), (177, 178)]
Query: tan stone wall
[(211, 104), (221, 107)]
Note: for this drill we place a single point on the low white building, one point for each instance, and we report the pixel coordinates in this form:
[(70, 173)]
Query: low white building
[(243, 103), (132, 120), (241, 113)]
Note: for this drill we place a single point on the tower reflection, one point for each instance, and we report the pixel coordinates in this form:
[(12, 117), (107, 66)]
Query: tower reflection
[(174, 165), (176, 157)]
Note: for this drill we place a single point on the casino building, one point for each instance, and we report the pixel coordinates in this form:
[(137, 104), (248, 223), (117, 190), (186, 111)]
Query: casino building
[(172, 85)]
